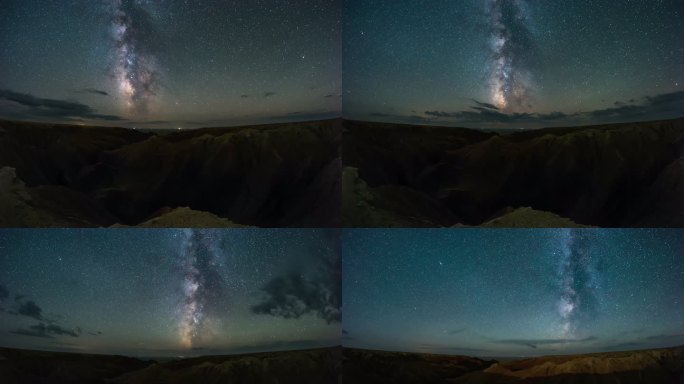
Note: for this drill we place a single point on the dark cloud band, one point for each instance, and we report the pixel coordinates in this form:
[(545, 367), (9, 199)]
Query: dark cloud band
[(53, 108), (294, 295), (663, 106)]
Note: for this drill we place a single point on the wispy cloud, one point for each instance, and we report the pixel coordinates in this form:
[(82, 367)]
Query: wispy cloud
[(47, 331), (30, 309), (48, 326), (93, 91), (534, 343), (663, 106), (53, 108)]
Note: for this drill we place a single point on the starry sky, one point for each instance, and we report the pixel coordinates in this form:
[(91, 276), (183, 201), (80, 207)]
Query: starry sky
[(513, 292), (170, 63), (169, 292), (513, 63)]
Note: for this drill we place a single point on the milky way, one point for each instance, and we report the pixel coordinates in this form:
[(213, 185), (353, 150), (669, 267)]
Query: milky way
[(135, 64), (578, 282), (511, 45), (203, 286)]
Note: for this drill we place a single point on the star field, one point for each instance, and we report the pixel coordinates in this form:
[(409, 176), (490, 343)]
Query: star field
[(513, 64), (170, 64), (126, 291), (513, 292)]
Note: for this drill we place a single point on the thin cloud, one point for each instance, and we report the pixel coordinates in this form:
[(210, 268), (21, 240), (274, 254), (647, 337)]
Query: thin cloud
[(53, 108), (28, 332), (47, 331), (664, 336), (667, 105), (485, 105), (151, 122), (93, 91), (624, 346), (4, 292), (452, 350), (534, 343), (30, 309)]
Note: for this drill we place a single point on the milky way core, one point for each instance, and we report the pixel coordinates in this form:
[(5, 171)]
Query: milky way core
[(203, 287), (135, 65), (510, 44)]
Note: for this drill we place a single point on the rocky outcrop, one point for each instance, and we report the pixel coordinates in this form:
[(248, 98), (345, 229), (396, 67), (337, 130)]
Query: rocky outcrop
[(611, 175), (318, 366), (28, 366), (274, 176), (185, 217), (526, 217), (368, 366), (314, 366), (46, 206), (16, 207), (631, 367), (55, 154), (388, 205), (251, 176), (664, 200)]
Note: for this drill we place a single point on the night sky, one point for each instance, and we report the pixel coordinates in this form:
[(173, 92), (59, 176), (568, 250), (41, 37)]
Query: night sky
[(490, 292), (171, 63), (175, 292), (513, 63)]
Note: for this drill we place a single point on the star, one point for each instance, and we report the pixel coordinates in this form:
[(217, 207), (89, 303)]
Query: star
[(181, 288), (532, 64), (567, 290), (131, 62)]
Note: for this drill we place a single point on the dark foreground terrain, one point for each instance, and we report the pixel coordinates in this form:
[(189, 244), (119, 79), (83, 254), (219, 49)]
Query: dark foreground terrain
[(619, 175), (657, 366), (279, 175), (315, 366)]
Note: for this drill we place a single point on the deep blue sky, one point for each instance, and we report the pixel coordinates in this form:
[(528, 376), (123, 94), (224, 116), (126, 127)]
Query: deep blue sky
[(513, 63), (158, 292), (513, 292), (169, 64)]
